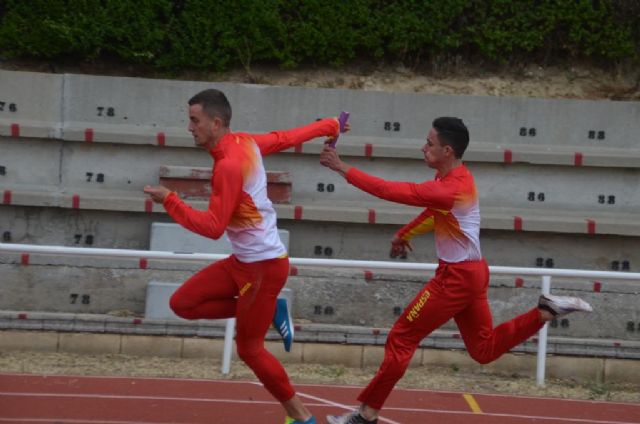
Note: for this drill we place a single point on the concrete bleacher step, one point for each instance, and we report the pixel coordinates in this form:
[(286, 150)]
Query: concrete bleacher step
[(61, 167), (192, 182), (321, 294), (357, 212), (37, 330), (483, 151), (565, 171), (336, 239), (98, 109)]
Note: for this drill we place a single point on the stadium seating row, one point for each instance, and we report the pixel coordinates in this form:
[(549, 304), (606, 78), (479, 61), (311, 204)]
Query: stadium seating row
[(146, 111), (90, 144)]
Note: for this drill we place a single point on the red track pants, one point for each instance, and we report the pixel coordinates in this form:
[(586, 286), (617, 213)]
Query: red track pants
[(247, 291), (459, 291)]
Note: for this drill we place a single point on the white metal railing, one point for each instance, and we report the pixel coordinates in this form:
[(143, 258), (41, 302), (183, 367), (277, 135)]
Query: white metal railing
[(545, 273)]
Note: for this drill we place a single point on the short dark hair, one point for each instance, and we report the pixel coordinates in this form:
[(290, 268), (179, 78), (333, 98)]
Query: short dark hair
[(452, 132), (214, 103)]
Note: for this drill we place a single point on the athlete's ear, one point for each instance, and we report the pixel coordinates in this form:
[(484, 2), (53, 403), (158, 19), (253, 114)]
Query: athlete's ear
[(215, 125), (448, 150)]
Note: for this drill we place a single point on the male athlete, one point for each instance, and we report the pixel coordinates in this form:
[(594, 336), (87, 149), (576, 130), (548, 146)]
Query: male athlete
[(246, 284), (459, 288)]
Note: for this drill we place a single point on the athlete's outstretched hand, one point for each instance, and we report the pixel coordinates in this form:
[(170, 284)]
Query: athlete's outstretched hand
[(399, 247), (329, 158), (157, 193)]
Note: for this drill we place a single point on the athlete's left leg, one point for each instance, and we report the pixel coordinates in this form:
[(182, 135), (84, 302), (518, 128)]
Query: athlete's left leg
[(209, 294), (260, 283)]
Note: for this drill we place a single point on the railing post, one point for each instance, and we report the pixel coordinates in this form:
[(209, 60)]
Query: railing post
[(542, 338), (229, 331)]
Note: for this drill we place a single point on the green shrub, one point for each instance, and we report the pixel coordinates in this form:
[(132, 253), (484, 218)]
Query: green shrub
[(52, 28), (136, 31), (215, 35)]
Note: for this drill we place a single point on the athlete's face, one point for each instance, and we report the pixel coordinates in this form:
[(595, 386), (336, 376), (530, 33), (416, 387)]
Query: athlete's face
[(435, 153), (203, 128)]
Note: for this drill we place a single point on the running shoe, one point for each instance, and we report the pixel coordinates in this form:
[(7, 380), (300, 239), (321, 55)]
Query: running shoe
[(562, 305), (349, 418), (289, 420), (283, 323)]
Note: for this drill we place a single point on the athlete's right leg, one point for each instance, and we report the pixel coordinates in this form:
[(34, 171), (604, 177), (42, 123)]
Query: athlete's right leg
[(426, 312), (434, 305), (209, 294)]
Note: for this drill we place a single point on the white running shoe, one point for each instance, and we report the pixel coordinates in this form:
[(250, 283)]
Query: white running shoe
[(562, 305), (349, 418)]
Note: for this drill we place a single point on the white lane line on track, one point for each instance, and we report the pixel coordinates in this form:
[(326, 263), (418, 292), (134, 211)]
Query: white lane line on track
[(340, 405), (322, 403), (337, 405), (135, 397), (493, 414), (339, 386)]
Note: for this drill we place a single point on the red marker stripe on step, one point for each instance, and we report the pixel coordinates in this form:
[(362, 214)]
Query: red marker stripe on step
[(517, 223), (368, 150), (372, 216), (15, 130)]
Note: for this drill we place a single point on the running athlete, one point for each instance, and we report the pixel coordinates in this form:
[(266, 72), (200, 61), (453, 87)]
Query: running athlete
[(459, 287), (246, 284)]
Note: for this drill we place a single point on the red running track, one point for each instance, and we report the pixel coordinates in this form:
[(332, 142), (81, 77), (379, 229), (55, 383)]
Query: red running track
[(122, 400)]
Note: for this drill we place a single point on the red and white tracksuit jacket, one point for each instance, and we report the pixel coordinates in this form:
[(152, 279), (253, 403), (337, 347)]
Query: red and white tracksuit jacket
[(246, 284), (459, 287)]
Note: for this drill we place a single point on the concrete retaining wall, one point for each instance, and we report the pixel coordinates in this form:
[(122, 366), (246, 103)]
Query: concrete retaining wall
[(581, 369), (321, 296), (558, 181)]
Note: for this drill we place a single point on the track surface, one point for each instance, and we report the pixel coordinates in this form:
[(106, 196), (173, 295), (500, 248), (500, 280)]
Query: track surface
[(121, 400)]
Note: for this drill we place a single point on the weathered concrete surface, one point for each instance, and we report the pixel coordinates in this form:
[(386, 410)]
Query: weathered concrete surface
[(549, 172), (332, 297)]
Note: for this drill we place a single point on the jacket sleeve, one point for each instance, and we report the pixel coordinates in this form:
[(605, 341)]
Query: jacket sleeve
[(277, 141), (431, 194), (226, 193), (421, 224)]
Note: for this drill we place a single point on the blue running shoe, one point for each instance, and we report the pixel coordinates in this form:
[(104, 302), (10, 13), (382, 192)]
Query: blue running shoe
[(282, 322), (289, 420)]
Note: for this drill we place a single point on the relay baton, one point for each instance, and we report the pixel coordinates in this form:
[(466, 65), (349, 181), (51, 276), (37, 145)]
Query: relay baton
[(344, 117)]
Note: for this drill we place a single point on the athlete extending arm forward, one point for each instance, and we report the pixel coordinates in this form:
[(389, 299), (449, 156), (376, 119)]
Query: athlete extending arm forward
[(459, 287), (246, 284)]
